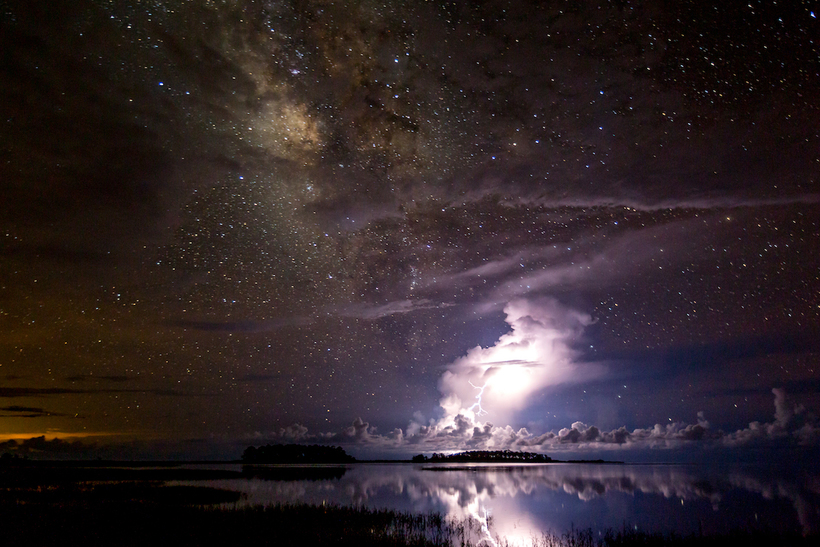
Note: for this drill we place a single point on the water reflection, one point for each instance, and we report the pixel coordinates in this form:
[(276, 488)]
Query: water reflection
[(524, 500), (293, 472)]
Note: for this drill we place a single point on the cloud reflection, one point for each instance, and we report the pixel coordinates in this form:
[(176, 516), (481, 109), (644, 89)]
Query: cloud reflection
[(531, 499)]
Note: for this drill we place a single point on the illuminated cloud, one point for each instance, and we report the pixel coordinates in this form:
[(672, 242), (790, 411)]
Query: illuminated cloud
[(497, 381)]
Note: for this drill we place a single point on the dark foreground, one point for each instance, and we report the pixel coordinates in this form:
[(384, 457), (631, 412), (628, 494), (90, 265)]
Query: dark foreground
[(141, 523), (95, 507)]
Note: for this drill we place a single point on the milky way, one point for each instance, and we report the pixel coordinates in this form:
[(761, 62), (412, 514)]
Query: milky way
[(237, 222)]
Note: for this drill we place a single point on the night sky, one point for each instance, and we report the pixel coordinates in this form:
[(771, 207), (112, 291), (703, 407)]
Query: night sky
[(406, 227)]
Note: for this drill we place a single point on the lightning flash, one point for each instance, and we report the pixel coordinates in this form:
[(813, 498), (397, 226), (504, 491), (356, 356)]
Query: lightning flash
[(477, 404)]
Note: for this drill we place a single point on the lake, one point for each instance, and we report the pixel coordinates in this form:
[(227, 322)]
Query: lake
[(520, 501)]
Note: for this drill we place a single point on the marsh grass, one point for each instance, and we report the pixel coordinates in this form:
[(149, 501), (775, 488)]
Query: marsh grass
[(92, 522), (151, 523)]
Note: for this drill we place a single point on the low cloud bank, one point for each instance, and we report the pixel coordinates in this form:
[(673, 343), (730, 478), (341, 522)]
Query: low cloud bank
[(792, 425)]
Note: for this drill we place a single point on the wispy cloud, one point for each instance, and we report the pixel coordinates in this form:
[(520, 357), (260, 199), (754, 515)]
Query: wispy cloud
[(15, 411), (86, 377), (377, 311), (705, 203)]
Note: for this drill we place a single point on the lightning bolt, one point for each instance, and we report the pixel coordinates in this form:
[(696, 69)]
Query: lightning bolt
[(477, 404)]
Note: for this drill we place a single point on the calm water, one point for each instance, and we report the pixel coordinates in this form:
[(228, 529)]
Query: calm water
[(524, 500)]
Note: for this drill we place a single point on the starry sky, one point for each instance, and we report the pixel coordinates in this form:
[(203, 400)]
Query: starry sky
[(406, 227)]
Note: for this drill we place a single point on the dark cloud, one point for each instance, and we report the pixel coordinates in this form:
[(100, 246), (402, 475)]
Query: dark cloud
[(85, 377), (16, 392), (15, 411), (12, 392)]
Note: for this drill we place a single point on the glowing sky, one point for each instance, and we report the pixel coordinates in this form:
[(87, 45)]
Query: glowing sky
[(233, 222)]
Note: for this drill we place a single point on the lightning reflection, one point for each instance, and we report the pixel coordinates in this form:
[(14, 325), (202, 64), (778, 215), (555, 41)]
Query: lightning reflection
[(485, 527)]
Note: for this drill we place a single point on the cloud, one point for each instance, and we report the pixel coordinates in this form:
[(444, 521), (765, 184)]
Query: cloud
[(464, 430), (294, 433), (586, 262), (13, 392), (377, 311), (705, 202), (659, 436), (537, 352), (791, 424), (358, 431), (57, 447), (492, 385), (84, 377), (15, 411)]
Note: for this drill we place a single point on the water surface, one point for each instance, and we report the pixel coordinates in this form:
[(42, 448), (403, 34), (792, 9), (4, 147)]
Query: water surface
[(523, 500)]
